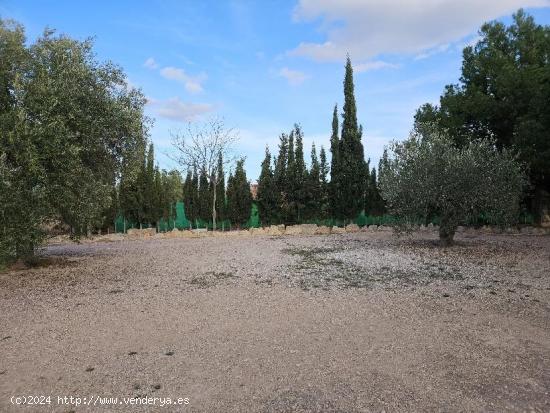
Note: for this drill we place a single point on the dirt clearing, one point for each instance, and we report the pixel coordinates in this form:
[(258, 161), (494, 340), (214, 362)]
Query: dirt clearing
[(342, 323)]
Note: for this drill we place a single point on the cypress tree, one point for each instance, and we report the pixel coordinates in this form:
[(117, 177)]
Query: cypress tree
[(204, 196), (352, 158), (195, 194), (187, 194), (158, 202), (220, 190), (131, 188), (324, 206), (378, 206), (280, 177), (267, 196), (299, 174), (287, 207), (382, 165), (334, 185), (140, 204), (291, 161), (313, 187), (239, 198), (148, 187)]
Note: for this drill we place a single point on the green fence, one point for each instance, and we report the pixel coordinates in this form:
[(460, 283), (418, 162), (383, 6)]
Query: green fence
[(179, 220)]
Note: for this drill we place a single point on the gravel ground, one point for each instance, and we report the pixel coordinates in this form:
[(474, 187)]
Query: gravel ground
[(342, 323)]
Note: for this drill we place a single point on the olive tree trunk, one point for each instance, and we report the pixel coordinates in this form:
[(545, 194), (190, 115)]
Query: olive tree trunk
[(446, 233)]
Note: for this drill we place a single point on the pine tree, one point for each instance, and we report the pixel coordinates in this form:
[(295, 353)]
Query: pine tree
[(324, 206), (239, 198), (334, 185), (352, 158), (267, 196)]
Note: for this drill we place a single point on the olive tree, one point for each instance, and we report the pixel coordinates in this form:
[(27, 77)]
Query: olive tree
[(68, 126), (428, 176)]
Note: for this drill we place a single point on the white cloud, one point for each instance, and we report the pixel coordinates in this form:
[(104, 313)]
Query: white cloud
[(151, 64), (176, 109), (435, 50), (294, 77), (374, 65), (193, 84), (367, 28)]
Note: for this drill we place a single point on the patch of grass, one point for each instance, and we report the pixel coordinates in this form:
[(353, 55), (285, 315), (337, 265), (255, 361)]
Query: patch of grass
[(308, 252), (315, 262), (200, 281), (221, 275), (211, 278), (35, 261), (317, 268)]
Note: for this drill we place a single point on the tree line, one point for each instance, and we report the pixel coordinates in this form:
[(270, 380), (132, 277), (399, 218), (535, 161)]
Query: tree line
[(75, 150), (289, 192), (146, 194)]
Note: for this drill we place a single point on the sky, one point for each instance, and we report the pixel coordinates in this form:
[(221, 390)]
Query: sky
[(264, 65)]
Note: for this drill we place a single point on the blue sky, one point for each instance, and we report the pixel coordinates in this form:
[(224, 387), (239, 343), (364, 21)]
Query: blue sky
[(264, 65)]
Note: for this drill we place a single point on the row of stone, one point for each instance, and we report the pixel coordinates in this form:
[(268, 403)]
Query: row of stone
[(313, 229), (274, 230)]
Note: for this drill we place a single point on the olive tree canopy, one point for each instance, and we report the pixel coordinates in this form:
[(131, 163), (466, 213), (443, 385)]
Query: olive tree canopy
[(69, 124), (428, 176)]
